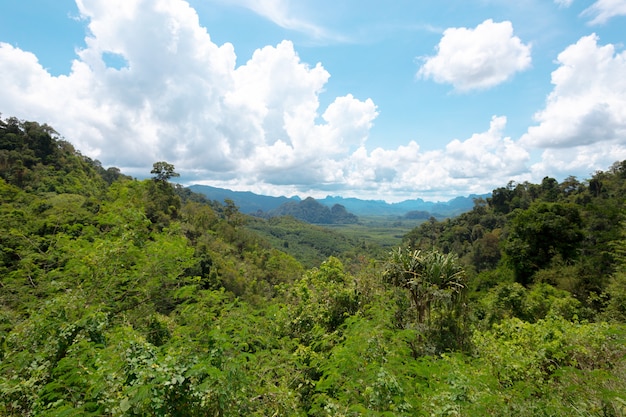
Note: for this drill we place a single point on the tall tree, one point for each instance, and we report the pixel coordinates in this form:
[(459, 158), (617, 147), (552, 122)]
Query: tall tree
[(163, 171), (540, 233)]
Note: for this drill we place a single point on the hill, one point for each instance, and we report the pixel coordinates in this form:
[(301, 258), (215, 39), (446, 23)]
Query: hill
[(121, 297), (311, 211), (248, 202)]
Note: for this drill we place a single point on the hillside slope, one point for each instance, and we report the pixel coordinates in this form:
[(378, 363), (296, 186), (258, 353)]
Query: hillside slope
[(248, 202), (121, 297)]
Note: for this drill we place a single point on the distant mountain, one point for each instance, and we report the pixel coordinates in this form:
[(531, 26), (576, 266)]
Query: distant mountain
[(250, 203), (311, 211), (449, 208)]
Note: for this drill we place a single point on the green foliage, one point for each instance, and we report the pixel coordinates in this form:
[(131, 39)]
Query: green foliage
[(558, 233), (508, 300), (33, 158), (436, 284), (162, 204), (132, 298), (323, 298), (540, 233), (552, 367), (518, 352), (615, 309), (615, 293), (309, 244), (310, 211), (364, 374), (431, 278), (163, 171)]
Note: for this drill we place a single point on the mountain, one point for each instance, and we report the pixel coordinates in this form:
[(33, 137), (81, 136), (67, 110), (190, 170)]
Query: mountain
[(311, 211), (248, 202), (251, 203), (449, 208)]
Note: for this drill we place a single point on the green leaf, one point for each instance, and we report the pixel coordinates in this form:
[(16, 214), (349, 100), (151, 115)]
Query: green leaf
[(125, 405)]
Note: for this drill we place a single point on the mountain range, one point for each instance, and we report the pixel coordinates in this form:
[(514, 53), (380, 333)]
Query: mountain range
[(256, 204)]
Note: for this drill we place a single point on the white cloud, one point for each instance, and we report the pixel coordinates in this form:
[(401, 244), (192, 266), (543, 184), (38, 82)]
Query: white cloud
[(583, 126), (477, 58), (475, 165), (581, 160), (486, 153), (181, 99), (282, 13), (603, 10), (258, 126), (588, 103)]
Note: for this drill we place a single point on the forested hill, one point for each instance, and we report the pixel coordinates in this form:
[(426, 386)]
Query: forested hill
[(563, 234), (311, 211), (121, 297), (248, 202)]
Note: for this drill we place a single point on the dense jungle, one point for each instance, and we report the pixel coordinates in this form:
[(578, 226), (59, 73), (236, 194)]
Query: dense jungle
[(126, 297)]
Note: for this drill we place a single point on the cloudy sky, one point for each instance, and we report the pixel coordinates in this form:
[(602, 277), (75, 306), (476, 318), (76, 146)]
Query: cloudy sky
[(359, 98)]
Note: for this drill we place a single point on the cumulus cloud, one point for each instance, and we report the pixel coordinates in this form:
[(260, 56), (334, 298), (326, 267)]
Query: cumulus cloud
[(603, 10), (584, 160), (180, 97), (583, 126), (475, 165), (588, 103), (477, 58), (259, 126)]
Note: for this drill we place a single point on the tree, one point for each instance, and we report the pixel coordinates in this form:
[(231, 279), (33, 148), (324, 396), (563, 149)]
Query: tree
[(429, 276), (540, 233), (232, 214), (550, 189), (436, 283), (163, 171)]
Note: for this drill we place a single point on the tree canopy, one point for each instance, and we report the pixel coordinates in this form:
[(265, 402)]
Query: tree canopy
[(163, 171), (121, 297)]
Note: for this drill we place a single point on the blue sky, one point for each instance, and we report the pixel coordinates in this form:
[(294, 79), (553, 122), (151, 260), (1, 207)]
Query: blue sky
[(386, 100)]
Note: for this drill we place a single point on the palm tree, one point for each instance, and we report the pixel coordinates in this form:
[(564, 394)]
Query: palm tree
[(436, 284)]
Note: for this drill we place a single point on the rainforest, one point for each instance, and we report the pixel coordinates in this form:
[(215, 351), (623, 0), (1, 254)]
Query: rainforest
[(126, 297)]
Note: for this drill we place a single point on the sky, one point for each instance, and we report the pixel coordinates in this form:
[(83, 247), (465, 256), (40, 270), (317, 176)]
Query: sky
[(391, 100)]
